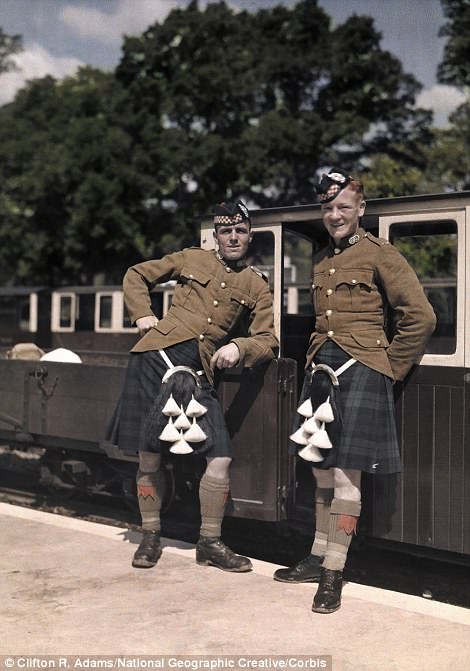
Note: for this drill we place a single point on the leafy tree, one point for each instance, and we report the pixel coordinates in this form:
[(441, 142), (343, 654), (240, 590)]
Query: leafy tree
[(386, 177), (449, 155), (70, 204), (9, 45), (100, 170), (455, 67), (256, 103)]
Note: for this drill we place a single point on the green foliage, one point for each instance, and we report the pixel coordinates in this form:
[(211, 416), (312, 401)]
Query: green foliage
[(101, 170), (9, 45), (386, 177), (255, 104), (455, 67), (69, 202)]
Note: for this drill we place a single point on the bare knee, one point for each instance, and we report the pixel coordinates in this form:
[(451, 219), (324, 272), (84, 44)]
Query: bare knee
[(218, 467), (347, 483)]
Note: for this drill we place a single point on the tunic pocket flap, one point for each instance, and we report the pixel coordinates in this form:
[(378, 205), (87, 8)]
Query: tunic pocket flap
[(354, 277), (368, 339), (198, 275), (165, 326), (243, 299)]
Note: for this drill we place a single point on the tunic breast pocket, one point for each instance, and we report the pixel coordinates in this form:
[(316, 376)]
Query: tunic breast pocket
[(236, 309), (192, 282), (353, 289)]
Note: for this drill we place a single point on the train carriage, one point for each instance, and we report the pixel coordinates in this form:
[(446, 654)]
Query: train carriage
[(66, 408)]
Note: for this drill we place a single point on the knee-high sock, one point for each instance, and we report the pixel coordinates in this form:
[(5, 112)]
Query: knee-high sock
[(323, 498), (213, 494), (149, 496), (342, 525)]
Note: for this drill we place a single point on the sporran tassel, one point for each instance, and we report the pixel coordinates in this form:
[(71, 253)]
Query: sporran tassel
[(181, 446), (194, 434), (311, 453)]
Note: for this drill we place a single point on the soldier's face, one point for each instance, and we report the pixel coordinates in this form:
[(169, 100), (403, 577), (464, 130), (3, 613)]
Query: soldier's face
[(233, 241), (341, 215)]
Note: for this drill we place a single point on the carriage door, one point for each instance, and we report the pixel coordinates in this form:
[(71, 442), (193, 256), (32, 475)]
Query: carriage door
[(424, 506), (254, 400)]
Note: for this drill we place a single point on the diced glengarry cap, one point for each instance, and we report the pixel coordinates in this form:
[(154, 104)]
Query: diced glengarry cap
[(231, 213), (330, 185)]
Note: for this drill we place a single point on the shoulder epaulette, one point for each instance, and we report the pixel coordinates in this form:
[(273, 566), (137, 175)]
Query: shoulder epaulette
[(259, 272), (380, 242)]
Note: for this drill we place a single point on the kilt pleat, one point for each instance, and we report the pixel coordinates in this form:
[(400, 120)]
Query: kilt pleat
[(368, 439), (142, 386)]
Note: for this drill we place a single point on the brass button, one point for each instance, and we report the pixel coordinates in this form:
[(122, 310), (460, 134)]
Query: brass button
[(228, 270), (329, 292), (215, 303), (223, 285), (337, 250), (191, 276), (378, 342), (209, 320), (332, 271), (330, 333), (354, 281), (201, 337), (242, 301), (329, 313), (313, 286)]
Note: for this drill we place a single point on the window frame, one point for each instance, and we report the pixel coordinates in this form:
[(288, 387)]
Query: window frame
[(117, 313), (57, 297), (457, 358)]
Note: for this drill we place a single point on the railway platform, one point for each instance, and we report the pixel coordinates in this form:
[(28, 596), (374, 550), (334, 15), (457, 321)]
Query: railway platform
[(70, 599)]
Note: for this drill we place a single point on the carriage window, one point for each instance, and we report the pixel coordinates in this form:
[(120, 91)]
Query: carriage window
[(105, 310), (24, 314), (15, 312), (431, 249), (66, 316), (298, 252), (85, 317), (261, 254)]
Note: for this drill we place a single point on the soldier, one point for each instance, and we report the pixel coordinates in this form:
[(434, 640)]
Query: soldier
[(347, 423), (217, 297)]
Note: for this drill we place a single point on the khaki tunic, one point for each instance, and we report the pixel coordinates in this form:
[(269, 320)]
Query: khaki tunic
[(353, 284), (212, 303)]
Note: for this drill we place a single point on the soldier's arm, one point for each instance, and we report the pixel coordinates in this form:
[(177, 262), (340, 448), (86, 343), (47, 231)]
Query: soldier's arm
[(141, 278), (414, 318)]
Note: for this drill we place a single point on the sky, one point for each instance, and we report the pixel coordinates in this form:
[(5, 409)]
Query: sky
[(60, 35)]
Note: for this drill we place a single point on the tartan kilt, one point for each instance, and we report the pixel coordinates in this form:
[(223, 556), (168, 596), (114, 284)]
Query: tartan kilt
[(368, 440), (142, 386)]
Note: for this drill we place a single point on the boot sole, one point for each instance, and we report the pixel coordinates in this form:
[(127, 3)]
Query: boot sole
[(142, 564), (208, 562), (296, 581), (326, 611), (145, 563)]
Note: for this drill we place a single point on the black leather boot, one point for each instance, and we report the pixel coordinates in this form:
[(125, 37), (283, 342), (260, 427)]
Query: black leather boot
[(306, 570), (328, 596), (149, 550), (213, 552)]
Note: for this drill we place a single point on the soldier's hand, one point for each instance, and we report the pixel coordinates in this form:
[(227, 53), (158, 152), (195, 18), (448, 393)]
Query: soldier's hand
[(144, 324), (225, 357)]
